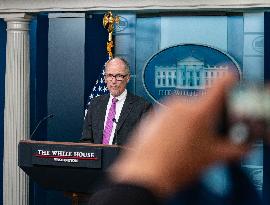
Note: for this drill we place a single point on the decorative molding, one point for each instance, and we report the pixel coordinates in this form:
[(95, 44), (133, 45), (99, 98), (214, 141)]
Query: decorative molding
[(30, 6), (9, 16)]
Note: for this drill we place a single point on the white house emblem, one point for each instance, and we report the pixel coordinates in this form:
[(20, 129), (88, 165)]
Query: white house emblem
[(186, 70)]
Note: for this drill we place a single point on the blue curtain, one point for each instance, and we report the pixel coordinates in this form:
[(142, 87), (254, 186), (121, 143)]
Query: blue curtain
[(95, 51), (3, 40)]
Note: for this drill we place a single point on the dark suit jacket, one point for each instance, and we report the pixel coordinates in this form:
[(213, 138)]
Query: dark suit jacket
[(133, 109), (124, 194)]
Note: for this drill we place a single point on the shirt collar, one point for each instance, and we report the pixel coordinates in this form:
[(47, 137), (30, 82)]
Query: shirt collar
[(120, 97)]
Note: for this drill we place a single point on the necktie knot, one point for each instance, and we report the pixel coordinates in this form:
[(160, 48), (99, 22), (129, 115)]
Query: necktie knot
[(114, 100)]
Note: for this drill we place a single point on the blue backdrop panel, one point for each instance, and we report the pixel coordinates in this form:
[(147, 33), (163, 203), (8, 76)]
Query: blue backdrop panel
[(267, 46), (38, 90), (235, 38), (66, 77), (39, 74), (33, 51), (266, 162), (3, 38)]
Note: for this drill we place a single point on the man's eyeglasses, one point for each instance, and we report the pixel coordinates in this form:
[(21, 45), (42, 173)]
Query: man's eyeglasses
[(118, 77)]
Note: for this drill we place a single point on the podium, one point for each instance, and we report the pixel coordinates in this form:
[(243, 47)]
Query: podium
[(66, 166)]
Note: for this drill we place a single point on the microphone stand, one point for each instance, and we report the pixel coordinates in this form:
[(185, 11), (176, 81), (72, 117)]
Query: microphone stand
[(40, 122)]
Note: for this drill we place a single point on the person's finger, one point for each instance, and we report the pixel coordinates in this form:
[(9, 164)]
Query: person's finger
[(226, 150), (216, 98)]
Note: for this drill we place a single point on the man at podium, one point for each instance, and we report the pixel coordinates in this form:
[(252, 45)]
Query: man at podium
[(110, 118)]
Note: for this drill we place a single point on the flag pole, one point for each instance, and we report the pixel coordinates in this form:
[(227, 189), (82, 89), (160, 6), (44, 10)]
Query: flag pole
[(108, 23)]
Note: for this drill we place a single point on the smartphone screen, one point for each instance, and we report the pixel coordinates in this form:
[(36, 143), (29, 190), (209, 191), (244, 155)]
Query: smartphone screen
[(248, 112)]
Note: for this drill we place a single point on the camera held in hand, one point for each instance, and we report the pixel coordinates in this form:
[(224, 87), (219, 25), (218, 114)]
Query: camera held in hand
[(248, 113)]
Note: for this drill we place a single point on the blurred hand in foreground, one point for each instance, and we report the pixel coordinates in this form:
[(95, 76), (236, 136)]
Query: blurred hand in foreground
[(175, 143)]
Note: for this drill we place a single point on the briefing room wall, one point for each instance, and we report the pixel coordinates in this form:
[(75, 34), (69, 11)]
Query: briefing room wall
[(139, 37), (157, 33), (240, 35), (66, 76), (136, 75)]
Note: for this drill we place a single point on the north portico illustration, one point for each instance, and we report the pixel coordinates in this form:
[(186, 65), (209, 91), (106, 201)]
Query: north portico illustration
[(186, 70), (189, 73)]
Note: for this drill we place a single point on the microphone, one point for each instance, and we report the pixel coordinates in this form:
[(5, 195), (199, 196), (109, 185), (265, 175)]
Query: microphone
[(40, 122), (115, 133)]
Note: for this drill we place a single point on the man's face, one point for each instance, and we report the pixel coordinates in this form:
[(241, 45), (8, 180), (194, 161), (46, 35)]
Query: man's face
[(116, 77)]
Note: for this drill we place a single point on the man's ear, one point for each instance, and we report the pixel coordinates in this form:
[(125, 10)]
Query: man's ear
[(128, 78)]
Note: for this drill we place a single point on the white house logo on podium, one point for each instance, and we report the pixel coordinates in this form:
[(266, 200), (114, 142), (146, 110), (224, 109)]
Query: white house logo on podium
[(186, 70)]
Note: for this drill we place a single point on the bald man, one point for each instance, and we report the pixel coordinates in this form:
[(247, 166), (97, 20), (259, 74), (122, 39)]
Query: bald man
[(111, 118)]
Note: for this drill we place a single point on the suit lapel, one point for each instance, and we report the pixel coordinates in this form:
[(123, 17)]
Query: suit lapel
[(128, 104), (101, 116)]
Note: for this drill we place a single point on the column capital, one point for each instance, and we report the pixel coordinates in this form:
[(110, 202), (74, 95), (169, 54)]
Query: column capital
[(17, 21), (8, 16)]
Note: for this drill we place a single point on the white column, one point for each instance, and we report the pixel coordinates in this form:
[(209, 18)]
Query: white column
[(16, 113)]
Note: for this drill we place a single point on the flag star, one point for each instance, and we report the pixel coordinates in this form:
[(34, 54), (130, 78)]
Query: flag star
[(99, 88), (85, 111)]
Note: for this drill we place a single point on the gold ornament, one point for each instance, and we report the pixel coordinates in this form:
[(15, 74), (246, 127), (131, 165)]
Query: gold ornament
[(108, 23)]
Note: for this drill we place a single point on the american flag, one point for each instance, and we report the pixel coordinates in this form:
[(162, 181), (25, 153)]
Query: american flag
[(99, 88)]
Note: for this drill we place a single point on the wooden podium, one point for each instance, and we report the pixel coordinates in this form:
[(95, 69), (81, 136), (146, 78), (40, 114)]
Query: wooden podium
[(74, 168)]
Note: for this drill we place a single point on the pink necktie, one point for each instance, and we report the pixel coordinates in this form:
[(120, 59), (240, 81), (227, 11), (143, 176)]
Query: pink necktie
[(109, 122)]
